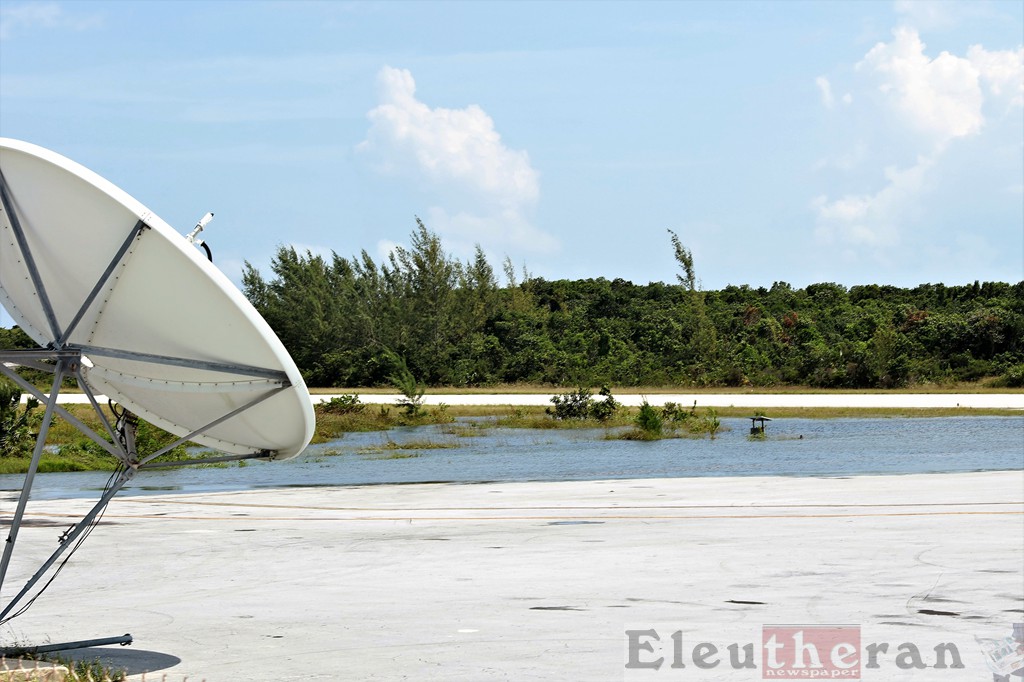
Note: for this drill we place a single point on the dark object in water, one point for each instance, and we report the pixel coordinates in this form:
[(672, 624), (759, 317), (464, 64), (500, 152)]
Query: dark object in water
[(757, 429)]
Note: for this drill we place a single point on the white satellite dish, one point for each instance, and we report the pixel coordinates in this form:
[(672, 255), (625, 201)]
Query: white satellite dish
[(164, 299), (119, 300)]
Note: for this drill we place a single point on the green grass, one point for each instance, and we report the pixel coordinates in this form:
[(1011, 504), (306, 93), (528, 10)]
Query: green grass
[(665, 434), (392, 449), (467, 430), (331, 425), (417, 444), (78, 670), (389, 455), (862, 412), (56, 463), (980, 386)]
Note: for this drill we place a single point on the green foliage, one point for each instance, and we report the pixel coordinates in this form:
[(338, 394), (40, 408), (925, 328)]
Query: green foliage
[(343, 404), (1013, 378), (685, 259), (15, 338), (412, 391), (90, 670), (603, 410), (648, 419), (573, 405), (709, 423), (676, 414), (580, 404), (346, 321), (16, 437), (148, 439)]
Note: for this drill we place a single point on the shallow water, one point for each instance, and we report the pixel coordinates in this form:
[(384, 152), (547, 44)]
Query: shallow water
[(793, 447)]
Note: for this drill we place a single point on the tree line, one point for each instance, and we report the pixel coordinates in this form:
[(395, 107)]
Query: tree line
[(355, 322)]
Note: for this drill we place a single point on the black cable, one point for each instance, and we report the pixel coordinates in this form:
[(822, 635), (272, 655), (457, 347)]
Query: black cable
[(123, 416), (81, 539)]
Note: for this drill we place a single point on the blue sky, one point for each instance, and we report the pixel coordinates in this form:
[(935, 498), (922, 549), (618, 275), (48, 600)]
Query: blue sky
[(800, 141)]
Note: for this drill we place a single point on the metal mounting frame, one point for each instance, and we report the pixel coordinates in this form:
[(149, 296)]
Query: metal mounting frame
[(66, 359)]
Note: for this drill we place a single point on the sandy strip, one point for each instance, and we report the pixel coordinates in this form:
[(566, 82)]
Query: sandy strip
[(868, 400), (1013, 401)]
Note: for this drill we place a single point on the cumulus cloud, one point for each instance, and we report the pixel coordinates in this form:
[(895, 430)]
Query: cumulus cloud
[(942, 96), (488, 190), (1002, 72), (942, 99)]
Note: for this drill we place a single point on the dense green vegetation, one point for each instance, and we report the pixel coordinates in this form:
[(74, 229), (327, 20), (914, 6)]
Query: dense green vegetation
[(16, 438), (354, 322)]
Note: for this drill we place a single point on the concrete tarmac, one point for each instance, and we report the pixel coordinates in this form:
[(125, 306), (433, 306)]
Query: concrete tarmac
[(535, 581)]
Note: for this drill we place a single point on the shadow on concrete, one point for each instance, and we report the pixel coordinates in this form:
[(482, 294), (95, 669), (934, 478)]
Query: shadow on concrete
[(127, 658)]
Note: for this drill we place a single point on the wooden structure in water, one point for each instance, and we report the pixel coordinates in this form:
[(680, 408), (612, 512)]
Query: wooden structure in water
[(757, 425)]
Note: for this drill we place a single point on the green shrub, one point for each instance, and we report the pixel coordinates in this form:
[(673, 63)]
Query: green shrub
[(343, 404), (575, 405), (1013, 377), (648, 420), (709, 423), (412, 391), (603, 410), (16, 437), (675, 413), (580, 404)]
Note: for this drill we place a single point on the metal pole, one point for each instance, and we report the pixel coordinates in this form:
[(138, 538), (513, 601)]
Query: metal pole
[(264, 455), (70, 537), (125, 455), (123, 640), (102, 280), (215, 422), (207, 365), (37, 453), (75, 421), (30, 263)]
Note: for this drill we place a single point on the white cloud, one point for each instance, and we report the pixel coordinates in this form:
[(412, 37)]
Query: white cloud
[(385, 247), (827, 100), (1002, 71), (47, 15), (502, 231), (14, 17), (942, 99), (488, 189), (873, 220), (314, 250)]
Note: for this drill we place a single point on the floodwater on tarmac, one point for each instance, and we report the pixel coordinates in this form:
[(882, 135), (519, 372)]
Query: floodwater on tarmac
[(471, 450)]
